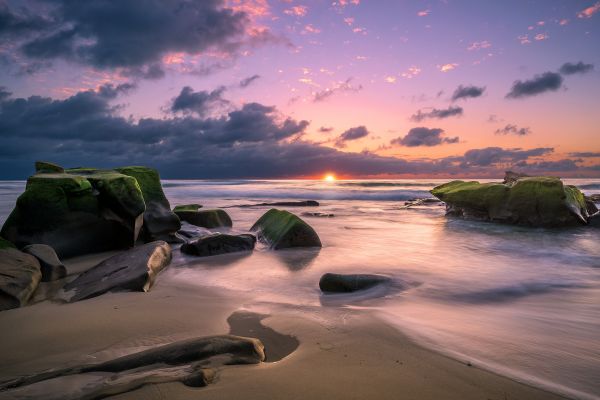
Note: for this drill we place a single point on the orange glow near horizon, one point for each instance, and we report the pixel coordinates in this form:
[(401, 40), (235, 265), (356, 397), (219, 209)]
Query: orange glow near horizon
[(329, 178)]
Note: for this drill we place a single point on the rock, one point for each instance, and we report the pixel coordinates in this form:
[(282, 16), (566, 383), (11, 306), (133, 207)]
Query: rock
[(317, 214), (132, 270), (339, 283), (532, 201), (186, 361), (160, 223), (305, 203), (51, 267), (190, 231), (511, 177), (5, 244), (591, 207), (219, 243), (77, 212), (19, 277), (206, 218), (421, 202), (44, 166), (282, 229), (594, 197), (187, 207)]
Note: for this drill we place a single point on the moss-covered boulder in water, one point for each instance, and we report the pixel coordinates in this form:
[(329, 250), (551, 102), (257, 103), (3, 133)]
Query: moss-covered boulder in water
[(533, 201), (212, 218), (187, 207), (160, 223), (281, 229)]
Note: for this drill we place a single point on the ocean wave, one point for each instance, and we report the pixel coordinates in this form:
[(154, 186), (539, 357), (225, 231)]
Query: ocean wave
[(426, 185), (589, 186), (512, 292)]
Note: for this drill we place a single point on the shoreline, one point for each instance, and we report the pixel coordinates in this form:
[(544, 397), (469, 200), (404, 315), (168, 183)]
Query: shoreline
[(342, 352)]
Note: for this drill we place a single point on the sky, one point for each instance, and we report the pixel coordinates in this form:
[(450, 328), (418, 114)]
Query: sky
[(299, 89)]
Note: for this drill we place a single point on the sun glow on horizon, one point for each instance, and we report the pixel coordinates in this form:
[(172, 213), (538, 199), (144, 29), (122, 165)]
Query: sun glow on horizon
[(329, 178)]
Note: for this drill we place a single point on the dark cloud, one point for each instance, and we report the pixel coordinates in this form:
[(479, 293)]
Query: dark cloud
[(546, 82), (4, 94), (585, 154), (497, 155), (559, 165), (345, 86), (511, 129), (422, 136), (466, 92), (323, 129), (437, 114), (351, 134), (247, 81), (579, 68), (201, 103), (133, 35)]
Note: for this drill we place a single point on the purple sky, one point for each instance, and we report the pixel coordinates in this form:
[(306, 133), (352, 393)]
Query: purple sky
[(300, 88)]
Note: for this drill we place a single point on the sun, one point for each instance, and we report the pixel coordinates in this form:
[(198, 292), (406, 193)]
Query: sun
[(329, 178)]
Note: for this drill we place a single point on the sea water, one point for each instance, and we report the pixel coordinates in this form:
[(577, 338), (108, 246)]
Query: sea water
[(524, 302)]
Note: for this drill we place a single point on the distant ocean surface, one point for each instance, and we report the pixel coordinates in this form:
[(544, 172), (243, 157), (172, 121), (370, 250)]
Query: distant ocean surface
[(523, 302)]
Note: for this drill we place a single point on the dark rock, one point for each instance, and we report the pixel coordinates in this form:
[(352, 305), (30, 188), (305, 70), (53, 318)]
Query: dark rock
[(160, 223), (282, 229), (304, 203), (594, 197), (187, 207), (511, 177), (219, 243), (52, 268), (206, 218), (47, 167), (185, 361), (190, 231), (533, 201), (19, 277), (5, 244), (421, 202), (339, 283), (317, 214), (132, 270), (591, 207)]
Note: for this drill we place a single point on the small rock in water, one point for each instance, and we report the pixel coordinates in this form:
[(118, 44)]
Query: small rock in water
[(317, 214), (219, 243), (303, 203), (206, 218), (19, 277), (132, 270), (187, 207), (338, 283), (281, 229), (52, 268)]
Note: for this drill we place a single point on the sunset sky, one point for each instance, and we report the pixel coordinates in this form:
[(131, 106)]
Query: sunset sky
[(294, 89)]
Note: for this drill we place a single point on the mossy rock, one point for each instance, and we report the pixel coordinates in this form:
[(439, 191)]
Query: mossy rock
[(160, 223), (5, 244), (281, 229), (533, 201), (187, 207), (47, 167), (211, 218)]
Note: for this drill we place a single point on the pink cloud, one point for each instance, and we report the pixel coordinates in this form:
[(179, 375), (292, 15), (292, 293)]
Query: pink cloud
[(590, 11), (411, 72), (541, 36), (423, 13), (484, 44), (447, 67), (298, 11), (310, 29)]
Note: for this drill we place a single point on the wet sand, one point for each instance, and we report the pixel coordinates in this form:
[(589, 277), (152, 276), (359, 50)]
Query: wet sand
[(336, 353)]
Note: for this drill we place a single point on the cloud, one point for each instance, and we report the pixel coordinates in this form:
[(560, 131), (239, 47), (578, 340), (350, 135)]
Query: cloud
[(465, 92), (585, 154), (590, 11), (247, 81), (513, 130), (298, 11), (447, 67), (422, 136), (326, 129), (578, 68), (339, 87), (546, 82), (20, 22), (351, 134), (437, 114), (201, 103), (132, 34), (484, 44), (497, 155)]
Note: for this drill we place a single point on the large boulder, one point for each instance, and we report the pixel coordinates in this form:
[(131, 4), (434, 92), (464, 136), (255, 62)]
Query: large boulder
[(205, 218), (77, 212), (282, 229), (19, 277), (160, 223), (51, 267), (533, 201), (132, 270), (187, 207), (338, 283), (219, 243)]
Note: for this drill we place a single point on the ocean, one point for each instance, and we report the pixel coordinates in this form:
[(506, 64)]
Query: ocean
[(523, 302)]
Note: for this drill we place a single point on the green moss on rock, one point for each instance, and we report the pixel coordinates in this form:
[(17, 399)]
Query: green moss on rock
[(44, 167), (281, 229), (187, 207), (534, 201), (211, 218)]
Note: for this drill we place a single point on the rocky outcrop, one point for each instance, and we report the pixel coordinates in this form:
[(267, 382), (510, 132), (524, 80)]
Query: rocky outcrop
[(19, 277), (511, 177), (47, 167), (160, 223), (214, 218), (282, 229), (338, 283), (132, 270), (51, 267), (219, 243), (532, 201)]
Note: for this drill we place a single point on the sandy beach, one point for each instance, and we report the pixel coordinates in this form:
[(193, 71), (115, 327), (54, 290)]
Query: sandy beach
[(343, 352)]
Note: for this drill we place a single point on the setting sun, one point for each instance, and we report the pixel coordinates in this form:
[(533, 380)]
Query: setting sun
[(329, 178)]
